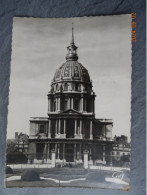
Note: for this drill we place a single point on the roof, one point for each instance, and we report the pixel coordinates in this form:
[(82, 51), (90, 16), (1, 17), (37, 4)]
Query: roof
[(39, 119), (103, 120)]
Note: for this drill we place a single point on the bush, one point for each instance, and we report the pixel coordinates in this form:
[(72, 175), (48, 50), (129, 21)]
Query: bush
[(8, 170), (16, 158), (30, 175), (95, 177)]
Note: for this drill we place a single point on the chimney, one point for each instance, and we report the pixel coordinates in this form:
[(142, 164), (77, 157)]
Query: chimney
[(16, 135)]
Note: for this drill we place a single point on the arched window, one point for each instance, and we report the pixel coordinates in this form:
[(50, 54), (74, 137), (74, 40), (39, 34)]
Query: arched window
[(66, 87), (65, 104), (76, 104)]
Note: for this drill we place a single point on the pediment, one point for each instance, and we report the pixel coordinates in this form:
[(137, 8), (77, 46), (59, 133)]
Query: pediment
[(71, 111)]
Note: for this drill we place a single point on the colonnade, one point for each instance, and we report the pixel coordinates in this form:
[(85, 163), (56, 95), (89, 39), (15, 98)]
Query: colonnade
[(57, 106), (78, 152), (58, 147), (78, 130)]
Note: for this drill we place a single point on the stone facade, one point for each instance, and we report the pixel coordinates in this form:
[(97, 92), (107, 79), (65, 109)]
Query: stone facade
[(71, 129)]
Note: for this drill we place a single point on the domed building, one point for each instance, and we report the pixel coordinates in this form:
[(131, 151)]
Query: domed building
[(70, 129)]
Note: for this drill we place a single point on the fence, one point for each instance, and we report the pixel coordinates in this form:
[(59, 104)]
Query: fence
[(70, 160)]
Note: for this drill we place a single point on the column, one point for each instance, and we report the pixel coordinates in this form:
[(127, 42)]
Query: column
[(56, 104), (68, 103), (59, 127), (55, 127), (81, 128), (80, 150), (93, 105), (51, 105), (82, 104), (53, 158), (75, 148), (63, 151), (58, 150), (86, 159), (85, 106), (44, 153), (90, 155), (91, 130), (75, 126), (90, 152), (59, 104), (48, 151), (71, 103), (49, 128), (49, 108), (111, 160), (104, 160), (64, 127)]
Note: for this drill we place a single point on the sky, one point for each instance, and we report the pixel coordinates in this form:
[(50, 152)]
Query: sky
[(39, 48)]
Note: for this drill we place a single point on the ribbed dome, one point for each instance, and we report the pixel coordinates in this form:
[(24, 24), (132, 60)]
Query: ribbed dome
[(71, 70)]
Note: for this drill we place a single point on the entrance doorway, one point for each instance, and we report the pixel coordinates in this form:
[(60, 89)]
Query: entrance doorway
[(70, 126), (69, 153)]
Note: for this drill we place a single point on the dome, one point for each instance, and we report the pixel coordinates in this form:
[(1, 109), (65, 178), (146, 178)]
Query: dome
[(71, 70), (72, 77)]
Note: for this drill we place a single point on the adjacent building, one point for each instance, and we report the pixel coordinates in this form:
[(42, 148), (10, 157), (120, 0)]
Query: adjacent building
[(21, 141), (121, 146), (121, 151)]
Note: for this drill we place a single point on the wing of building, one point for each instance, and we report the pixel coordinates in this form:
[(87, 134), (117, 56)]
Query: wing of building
[(70, 128)]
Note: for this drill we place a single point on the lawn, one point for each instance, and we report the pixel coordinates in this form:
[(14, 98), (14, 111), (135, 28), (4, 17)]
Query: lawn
[(92, 178)]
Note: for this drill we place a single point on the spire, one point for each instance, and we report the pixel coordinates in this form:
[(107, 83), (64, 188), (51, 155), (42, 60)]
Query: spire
[(72, 49), (72, 40)]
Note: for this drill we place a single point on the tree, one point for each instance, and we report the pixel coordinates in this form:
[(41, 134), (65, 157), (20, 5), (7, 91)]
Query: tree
[(16, 158), (11, 146), (22, 137), (13, 156)]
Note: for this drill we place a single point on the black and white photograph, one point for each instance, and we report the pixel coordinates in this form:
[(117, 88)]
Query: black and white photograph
[(69, 113)]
